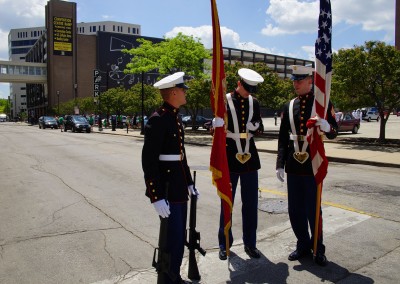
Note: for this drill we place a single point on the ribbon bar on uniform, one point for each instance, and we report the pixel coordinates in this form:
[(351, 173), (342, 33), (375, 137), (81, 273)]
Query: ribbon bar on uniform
[(165, 157), (239, 135)]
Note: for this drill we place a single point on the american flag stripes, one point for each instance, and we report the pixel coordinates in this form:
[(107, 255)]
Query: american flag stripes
[(322, 88)]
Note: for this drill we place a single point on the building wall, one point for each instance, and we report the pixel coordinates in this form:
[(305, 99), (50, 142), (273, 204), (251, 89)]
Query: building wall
[(92, 28), (61, 61), (19, 43), (86, 64)]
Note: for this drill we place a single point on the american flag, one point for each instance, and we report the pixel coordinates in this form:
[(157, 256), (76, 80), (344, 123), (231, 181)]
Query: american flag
[(322, 89), (218, 159)]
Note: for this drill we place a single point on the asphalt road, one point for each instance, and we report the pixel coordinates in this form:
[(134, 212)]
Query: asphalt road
[(73, 210)]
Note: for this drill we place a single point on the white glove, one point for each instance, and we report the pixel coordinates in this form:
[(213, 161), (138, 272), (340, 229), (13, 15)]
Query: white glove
[(323, 124), (162, 208), (217, 122), (193, 191), (280, 174), (252, 127)]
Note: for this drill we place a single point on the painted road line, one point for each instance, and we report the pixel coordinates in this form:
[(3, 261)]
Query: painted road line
[(327, 203)]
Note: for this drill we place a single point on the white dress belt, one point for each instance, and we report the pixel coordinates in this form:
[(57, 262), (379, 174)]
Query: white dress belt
[(298, 137), (239, 135), (165, 157)]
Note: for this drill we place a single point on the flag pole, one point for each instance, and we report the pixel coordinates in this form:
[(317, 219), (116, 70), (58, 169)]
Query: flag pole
[(218, 158), (317, 216)]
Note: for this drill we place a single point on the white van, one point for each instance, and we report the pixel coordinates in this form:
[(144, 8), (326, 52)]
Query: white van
[(3, 117)]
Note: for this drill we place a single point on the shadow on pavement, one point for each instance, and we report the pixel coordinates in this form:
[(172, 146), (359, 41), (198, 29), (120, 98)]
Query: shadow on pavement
[(257, 270), (332, 272)]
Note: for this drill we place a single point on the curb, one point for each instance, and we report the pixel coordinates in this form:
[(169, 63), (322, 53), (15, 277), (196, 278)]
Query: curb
[(330, 158)]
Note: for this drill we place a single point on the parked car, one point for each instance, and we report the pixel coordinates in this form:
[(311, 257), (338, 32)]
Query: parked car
[(347, 122), (200, 120), (76, 123), (47, 122), (371, 115)]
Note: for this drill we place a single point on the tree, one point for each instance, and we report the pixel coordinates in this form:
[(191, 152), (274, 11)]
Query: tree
[(181, 53), (4, 106), (197, 97), (86, 105), (368, 75), (273, 93), (151, 100)]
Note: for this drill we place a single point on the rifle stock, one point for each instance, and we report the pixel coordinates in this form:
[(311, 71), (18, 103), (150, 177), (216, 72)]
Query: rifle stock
[(193, 238), (161, 258)]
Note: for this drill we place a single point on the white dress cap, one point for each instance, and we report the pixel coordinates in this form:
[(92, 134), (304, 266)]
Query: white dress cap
[(174, 80), (300, 72), (250, 77)]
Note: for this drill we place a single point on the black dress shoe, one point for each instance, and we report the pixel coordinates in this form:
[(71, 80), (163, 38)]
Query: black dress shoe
[(320, 259), (222, 254), (297, 254), (252, 252)]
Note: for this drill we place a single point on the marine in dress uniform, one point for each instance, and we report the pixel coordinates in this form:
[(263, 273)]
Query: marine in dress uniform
[(293, 158), (164, 162), (244, 120)]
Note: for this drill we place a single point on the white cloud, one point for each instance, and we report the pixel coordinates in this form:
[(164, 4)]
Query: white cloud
[(3, 45), (297, 16), (229, 38), (19, 14), (22, 13), (290, 17)]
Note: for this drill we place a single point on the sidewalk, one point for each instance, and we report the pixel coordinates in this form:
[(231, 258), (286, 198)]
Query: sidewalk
[(336, 152)]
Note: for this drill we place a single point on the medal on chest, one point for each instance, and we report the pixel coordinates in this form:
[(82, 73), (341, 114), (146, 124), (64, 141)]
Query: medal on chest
[(242, 155), (299, 156)]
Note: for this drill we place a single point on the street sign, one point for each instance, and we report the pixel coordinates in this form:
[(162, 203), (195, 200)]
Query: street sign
[(96, 83)]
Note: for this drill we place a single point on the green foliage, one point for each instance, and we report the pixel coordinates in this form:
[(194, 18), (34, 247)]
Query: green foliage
[(273, 93), (86, 105), (367, 75), (182, 52), (197, 96), (4, 107), (151, 99)]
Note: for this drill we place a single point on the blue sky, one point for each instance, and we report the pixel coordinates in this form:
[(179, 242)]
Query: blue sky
[(284, 27)]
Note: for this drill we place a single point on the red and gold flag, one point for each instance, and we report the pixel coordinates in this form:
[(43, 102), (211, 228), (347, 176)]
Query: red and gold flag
[(218, 158)]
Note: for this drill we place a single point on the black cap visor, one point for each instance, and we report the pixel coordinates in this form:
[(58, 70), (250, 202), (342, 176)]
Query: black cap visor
[(182, 85), (298, 77), (249, 88)]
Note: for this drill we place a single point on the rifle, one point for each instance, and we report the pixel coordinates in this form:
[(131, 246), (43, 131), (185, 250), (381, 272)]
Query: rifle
[(193, 243), (163, 262)]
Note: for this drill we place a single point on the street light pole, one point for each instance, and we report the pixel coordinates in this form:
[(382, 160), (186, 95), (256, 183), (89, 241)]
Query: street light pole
[(58, 103), (142, 121)]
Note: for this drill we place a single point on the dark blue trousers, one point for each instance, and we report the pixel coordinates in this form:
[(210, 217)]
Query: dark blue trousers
[(176, 239), (302, 196), (249, 194)]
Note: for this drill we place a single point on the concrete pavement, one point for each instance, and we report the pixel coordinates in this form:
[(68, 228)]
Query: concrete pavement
[(361, 248), (349, 261)]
